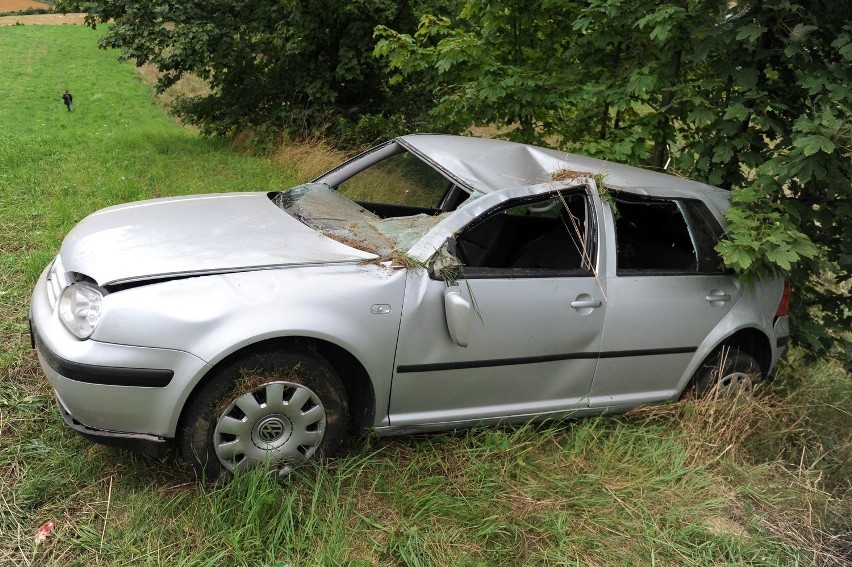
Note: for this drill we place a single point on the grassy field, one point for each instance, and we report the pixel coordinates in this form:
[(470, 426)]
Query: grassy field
[(694, 483)]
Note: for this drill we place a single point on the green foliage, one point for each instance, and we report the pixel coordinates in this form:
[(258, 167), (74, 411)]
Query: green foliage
[(787, 121), (487, 66), (753, 96), (274, 67), (27, 12), (370, 129), (762, 237)]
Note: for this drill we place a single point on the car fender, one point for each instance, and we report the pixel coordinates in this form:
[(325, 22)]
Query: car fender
[(354, 306), (753, 311)]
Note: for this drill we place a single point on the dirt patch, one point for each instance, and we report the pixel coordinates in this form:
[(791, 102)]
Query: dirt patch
[(41, 19), (19, 5)]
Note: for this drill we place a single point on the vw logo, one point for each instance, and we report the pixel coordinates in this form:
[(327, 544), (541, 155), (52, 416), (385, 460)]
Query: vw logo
[(271, 429)]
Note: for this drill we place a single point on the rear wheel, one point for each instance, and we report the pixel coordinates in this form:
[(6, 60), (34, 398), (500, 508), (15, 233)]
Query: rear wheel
[(275, 410), (729, 372)]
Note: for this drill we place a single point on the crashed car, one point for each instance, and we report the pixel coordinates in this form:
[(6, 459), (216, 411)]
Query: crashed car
[(498, 282)]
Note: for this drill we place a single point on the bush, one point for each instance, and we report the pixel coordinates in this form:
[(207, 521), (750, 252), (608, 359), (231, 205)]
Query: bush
[(368, 130)]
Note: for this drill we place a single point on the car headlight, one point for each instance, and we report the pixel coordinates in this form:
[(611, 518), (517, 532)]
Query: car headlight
[(80, 308)]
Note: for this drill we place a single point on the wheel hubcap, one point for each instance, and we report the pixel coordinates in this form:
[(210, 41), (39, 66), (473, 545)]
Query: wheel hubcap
[(277, 425), (271, 431), (736, 384)]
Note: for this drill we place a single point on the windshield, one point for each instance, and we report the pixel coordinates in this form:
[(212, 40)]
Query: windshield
[(401, 179), (327, 211)]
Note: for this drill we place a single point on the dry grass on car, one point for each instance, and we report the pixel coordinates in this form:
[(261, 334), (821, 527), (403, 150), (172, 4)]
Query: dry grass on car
[(570, 175), (252, 379)]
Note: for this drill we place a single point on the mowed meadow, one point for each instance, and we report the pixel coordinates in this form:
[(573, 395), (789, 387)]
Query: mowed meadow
[(763, 482)]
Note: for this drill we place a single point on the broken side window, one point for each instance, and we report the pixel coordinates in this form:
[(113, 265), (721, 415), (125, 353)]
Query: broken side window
[(652, 236), (706, 232), (538, 237)]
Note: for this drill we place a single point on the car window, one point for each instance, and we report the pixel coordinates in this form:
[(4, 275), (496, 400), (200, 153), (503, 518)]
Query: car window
[(402, 180), (529, 238), (665, 236), (326, 210), (706, 232)]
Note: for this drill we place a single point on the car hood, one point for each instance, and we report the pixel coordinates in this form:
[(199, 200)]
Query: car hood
[(197, 235)]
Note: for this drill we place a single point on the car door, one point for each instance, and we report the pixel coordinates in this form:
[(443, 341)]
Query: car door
[(667, 293), (535, 319)]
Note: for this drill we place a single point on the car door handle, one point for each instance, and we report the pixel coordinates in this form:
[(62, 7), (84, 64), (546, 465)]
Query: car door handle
[(581, 303), (717, 296)]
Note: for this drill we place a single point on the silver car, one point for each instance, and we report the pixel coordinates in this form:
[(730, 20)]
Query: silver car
[(503, 283)]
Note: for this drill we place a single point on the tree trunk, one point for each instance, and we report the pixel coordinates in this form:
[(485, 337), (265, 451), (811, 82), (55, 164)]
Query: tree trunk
[(658, 160)]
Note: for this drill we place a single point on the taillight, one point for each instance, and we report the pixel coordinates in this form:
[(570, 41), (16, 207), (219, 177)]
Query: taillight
[(784, 305)]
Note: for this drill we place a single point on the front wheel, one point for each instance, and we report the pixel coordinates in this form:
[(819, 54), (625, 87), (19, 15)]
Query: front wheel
[(275, 410), (728, 373)]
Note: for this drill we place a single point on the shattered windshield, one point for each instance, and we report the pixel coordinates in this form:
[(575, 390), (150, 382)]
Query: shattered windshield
[(327, 211)]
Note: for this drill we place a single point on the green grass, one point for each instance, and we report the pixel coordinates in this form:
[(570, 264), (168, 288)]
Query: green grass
[(58, 166), (694, 483)]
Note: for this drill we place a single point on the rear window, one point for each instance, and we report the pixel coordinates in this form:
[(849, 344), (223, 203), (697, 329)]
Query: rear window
[(706, 232), (668, 236)]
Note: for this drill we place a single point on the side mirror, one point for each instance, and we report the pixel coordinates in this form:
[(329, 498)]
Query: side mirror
[(444, 260), (457, 310)]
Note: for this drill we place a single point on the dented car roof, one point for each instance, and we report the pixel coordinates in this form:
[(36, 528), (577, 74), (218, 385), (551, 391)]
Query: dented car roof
[(487, 165)]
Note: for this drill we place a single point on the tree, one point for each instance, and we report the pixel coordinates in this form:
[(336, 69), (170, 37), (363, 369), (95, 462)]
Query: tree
[(753, 96), (273, 65), (484, 67)]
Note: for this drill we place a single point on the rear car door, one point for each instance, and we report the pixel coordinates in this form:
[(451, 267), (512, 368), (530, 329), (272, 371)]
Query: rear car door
[(668, 292)]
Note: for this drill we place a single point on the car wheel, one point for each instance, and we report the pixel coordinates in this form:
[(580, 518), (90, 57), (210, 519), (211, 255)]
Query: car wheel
[(276, 410), (728, 373)]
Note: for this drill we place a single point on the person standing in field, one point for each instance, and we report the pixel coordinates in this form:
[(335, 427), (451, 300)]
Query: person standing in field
[(68, 100)]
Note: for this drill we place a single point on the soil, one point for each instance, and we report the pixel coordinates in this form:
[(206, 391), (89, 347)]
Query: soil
[(37, 19), (17, 5)]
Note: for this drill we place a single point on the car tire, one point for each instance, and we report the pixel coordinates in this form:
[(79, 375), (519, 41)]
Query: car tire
[(272, 409), (728, 373)]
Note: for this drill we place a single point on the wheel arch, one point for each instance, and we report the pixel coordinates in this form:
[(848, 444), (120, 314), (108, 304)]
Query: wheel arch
[(755, 343), (356, 381), (749, 340)]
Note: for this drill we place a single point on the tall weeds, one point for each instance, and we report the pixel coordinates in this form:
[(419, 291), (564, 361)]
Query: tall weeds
[(793, 438)]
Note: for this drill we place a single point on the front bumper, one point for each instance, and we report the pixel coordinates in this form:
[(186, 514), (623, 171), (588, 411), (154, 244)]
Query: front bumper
[(150, 445), (97, 374), (111, 392)]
